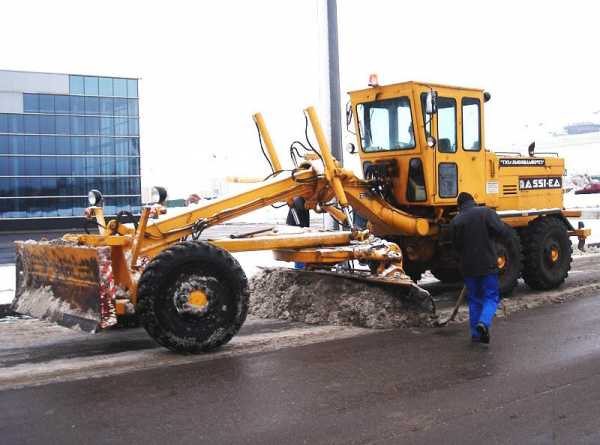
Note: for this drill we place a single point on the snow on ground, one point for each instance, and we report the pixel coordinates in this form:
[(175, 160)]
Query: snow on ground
[(573, 201), (7, 284)]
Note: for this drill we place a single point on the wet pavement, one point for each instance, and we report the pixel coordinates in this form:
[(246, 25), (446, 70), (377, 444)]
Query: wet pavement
[(538, 382)]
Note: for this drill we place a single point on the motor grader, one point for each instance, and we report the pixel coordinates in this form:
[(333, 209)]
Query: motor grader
[(419, 144)]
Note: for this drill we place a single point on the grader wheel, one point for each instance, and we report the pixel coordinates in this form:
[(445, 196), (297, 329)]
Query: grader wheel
[(510, 262), (548, 253), (193, 297)]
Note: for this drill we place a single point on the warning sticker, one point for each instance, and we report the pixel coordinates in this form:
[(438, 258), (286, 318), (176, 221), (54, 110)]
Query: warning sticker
[(492, 187), (551, 182)]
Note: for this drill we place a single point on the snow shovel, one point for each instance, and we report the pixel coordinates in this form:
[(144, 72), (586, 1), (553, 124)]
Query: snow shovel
[(459, 302)]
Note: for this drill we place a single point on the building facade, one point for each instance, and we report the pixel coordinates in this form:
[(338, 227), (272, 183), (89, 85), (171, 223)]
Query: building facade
[(62, 135)]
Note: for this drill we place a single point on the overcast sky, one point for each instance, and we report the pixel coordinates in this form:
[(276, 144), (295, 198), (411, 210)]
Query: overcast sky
[(206, 66)]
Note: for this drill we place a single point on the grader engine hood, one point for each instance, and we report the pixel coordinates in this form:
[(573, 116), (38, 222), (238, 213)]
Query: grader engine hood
[(69, 285)]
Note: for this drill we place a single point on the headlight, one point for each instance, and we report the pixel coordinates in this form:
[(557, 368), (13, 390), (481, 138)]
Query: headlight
[(158, 195), (95, 198)]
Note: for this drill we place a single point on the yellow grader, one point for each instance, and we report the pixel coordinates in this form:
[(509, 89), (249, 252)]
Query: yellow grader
[(419, 144)]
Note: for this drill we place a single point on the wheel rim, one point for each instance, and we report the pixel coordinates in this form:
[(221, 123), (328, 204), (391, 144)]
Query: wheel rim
[(552, 253), (501, 262)]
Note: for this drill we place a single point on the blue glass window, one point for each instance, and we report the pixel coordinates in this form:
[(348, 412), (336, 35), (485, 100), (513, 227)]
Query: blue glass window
[(93, 168), (61, 104), (122, 184), (132, 88), (134, 147), (78, 163), (133, 109), (46, 103), (120, 87), (107, 166), (48, 145), (106, 86), (107, 146), (91, 86), (63, 167), (63, 125), (65, 206), (92, 145), (32, 165), (134, 166), (31, 145), (92, 125), (107, 106), (3, 144), (77, 105), (15, 144), (121, 126), (49, 207), (78, 145), (15, 123), (47, 124), (31, 123), (134, 186), (5, 170), (64, 185), (76, 85), (134, 128), (107, 127), (121, 107), (122, 169), (6, 186), (92, 105), (108, 185), (3, 123), (31, 103), (77, 125), (79, 205), (63, 145), (49, 168), (121, 146)]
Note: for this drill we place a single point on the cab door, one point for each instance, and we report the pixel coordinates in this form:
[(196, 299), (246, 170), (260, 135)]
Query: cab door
[(459, 160)]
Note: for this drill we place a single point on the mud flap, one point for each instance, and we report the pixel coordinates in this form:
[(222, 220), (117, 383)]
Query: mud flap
[(69, 285)]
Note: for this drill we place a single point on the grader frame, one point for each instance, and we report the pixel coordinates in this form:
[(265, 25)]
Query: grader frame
[(177, 286)]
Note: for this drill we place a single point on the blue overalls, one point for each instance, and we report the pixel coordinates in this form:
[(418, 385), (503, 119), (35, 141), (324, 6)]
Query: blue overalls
[(483, 296)]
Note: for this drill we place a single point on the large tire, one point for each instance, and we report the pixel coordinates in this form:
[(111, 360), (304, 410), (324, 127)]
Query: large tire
[(548, 253), (165, 290), (447, 275), (510, 261)]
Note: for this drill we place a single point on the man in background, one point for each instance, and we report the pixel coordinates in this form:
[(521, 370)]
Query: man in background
[(473, 234)]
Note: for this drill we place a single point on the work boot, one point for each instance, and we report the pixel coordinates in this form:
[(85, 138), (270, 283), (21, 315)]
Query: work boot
[(484, 333)]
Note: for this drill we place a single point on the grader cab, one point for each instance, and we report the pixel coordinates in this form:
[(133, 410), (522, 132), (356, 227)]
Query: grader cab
[(419, 144)]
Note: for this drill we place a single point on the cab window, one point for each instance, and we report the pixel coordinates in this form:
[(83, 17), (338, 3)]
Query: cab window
[(386, 125), (471, 124), (446, 118)]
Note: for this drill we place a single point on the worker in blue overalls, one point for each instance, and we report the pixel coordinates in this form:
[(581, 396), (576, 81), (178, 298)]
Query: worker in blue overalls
[(473, 233)]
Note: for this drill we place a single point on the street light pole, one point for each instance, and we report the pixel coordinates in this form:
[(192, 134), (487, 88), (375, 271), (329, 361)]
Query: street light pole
[(334, 81)]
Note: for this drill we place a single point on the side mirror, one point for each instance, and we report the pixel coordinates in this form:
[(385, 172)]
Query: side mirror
[(431, 105), (348, 115), (351, 148)]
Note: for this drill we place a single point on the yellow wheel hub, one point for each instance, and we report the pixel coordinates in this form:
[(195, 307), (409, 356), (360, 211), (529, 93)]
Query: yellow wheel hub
[(198, 299), (501, 262), (554, 254)]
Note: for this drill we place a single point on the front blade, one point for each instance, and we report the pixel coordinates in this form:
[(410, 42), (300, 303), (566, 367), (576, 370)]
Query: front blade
[(69, 285)]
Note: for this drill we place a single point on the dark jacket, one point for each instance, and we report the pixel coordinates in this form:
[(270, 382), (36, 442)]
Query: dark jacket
[(474, 230)]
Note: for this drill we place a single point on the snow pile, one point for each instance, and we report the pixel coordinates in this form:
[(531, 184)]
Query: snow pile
[(314, 298), (7, 284)]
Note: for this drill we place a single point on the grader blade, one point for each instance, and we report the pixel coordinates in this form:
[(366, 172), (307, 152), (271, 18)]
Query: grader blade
[(69, 285)]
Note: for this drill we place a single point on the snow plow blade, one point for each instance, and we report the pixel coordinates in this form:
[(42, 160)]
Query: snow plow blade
[(69, 285)]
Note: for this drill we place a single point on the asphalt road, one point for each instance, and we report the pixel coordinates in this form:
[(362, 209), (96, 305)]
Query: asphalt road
[(281, 382), (539, 382)]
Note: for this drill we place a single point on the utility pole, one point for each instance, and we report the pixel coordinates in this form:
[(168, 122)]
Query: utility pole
[(335, 116)]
